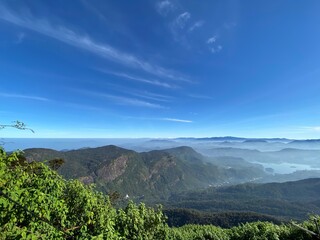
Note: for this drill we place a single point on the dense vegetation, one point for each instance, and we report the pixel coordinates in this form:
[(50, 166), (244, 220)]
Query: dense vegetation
[(37, 203), (284, 201), (152, 175), (183, 216)]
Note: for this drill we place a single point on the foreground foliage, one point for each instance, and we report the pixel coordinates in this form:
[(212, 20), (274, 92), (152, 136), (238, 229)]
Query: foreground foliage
[(37, 203)]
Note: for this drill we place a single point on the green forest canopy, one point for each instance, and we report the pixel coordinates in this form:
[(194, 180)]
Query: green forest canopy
[(36, 202)]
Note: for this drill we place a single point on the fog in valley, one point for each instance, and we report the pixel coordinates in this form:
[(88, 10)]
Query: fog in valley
[(271, 160)]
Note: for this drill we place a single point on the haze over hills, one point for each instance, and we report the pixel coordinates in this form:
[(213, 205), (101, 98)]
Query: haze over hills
[(201, 184), (181, 178), (278, 156), (147, 144), (290, 200), (156, 173)]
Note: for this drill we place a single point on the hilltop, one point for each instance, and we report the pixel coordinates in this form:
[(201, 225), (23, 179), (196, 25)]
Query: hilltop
[(154, 174)]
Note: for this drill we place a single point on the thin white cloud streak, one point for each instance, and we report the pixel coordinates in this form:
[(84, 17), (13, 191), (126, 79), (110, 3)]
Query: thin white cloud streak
[(120, 100), (131, 101), (158, 95), (164, 119), (94, 10), (176, 120), (151, 96), (311, 128), (182, 19), (164, 7), (129, 91), (139, 79), (29, 97), (196, 25), (177, 28), (84, 42), (140, 94)]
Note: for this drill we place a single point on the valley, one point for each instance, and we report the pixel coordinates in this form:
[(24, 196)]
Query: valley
[(201, 186)]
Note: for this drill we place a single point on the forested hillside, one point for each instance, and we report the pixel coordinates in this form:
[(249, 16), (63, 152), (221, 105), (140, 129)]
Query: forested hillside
[(180, 178), (282, 201), (37, 203), (150, 175)]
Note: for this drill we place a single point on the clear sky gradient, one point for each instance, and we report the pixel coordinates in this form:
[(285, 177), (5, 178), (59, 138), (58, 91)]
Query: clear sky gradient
[(164, 68)]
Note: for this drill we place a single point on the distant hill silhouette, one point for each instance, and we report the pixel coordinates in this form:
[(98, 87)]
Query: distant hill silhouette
[(154, 174)]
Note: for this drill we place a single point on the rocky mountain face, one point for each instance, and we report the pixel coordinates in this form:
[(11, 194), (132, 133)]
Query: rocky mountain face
[(150, 175)]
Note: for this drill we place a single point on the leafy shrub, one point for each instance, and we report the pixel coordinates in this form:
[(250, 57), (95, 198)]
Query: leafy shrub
[(141, 222), (258, 231), (197, 232), (36, 202)]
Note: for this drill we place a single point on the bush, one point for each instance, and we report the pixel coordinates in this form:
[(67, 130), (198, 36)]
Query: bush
[(197, 232), (36, 202)]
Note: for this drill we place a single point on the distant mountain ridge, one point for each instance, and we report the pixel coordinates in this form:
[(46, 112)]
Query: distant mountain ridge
[(231, 138), (156, 173), (181, 177), (147, 144)]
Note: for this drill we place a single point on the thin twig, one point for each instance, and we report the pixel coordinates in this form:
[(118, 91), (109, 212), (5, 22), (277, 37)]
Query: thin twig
[(306, 230)]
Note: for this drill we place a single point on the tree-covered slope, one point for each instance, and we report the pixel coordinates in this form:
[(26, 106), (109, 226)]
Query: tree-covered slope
[(37, 203), (181, 216), (290, 200), (152, 175)]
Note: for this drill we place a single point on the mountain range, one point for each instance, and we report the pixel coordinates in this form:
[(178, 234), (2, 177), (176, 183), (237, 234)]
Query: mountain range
[(195, 188), (152, 175)]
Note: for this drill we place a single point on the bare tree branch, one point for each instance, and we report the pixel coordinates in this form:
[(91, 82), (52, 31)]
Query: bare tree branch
[(16, 124)]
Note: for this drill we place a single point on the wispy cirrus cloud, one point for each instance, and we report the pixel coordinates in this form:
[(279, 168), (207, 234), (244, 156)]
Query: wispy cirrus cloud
[(151, 96), (311, 128), (131, 101), (136, 93), (164, 119), (196, 25), (181, 24), (182, 19), (22, 96), (139, 79), (178, 28), (84, 42), (121, 100), (93, 9), (164, 7), (213, 45), (214, 42), (176, 120)]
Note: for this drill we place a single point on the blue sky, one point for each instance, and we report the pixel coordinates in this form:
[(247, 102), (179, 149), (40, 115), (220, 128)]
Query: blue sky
[(163, 68)]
